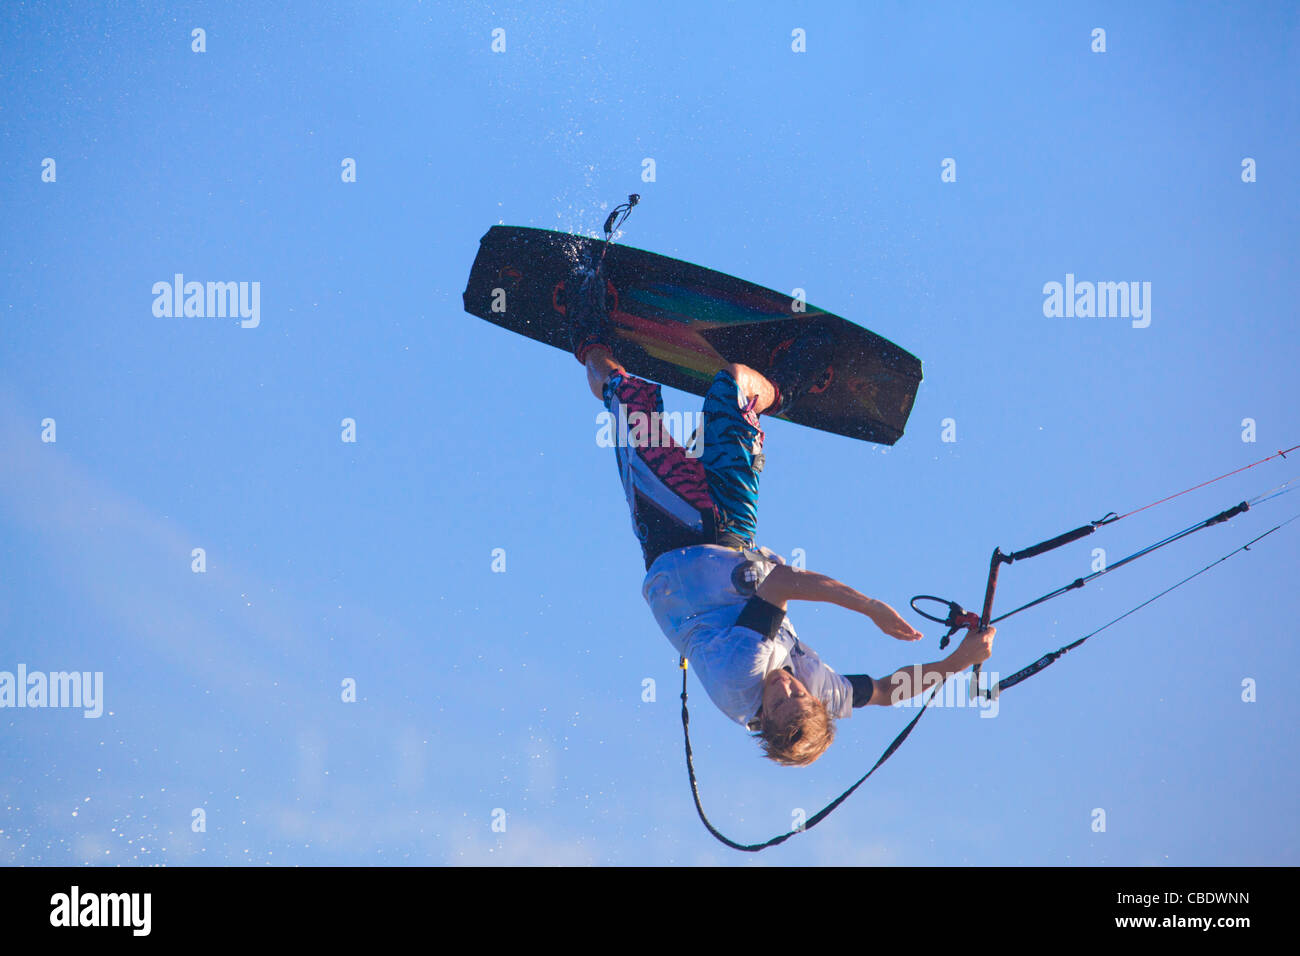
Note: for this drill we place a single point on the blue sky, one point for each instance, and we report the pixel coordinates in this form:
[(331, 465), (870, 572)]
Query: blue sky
[(522, 691)]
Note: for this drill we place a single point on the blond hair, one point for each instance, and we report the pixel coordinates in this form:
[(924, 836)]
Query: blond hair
[(799, 742)]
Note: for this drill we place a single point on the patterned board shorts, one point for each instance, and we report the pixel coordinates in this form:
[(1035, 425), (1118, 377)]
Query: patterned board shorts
[(679, 499)]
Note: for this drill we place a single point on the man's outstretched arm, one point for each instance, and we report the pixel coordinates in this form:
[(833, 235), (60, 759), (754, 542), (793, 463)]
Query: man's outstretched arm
[(908, 682), (785, 583)]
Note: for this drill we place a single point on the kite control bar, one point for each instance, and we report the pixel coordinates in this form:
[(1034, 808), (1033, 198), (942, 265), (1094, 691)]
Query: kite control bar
[(958, 617)]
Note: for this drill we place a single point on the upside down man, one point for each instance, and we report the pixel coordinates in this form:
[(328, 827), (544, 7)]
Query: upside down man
[(719, 598)]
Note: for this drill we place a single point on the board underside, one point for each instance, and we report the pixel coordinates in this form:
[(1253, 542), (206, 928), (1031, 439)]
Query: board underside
[(676, 323)]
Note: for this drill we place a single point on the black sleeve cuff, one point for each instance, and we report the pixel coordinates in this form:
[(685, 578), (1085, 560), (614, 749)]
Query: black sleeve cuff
[(760, 616), (863, 688)]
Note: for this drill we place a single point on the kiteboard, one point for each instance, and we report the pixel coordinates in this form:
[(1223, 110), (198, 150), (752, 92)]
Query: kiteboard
[(676, 323)]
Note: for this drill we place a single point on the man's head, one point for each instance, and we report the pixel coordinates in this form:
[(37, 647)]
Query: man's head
[(796, 728)]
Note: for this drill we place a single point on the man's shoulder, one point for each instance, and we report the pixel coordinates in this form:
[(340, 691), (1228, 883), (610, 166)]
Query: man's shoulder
[(822, 680)]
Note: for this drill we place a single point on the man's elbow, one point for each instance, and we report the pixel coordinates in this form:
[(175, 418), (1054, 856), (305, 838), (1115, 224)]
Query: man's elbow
[(882, 694)]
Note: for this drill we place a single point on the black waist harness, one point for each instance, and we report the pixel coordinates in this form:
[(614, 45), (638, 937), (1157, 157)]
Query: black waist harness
[(659, 533)]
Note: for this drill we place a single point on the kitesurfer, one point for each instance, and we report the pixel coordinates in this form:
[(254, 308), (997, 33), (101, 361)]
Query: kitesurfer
[(718, 597)]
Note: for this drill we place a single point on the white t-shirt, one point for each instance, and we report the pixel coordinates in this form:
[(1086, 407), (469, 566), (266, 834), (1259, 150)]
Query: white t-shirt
[(697, 595)]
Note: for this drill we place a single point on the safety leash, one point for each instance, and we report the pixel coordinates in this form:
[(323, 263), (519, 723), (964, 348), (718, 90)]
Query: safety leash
[(817, 817)]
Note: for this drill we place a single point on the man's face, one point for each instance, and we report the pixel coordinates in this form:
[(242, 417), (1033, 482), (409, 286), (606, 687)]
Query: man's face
[(784, 699)]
